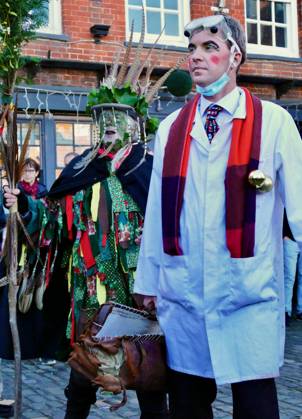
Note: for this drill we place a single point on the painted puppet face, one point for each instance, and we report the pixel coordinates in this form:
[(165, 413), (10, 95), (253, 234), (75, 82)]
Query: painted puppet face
[(209, 57), (116, 127)]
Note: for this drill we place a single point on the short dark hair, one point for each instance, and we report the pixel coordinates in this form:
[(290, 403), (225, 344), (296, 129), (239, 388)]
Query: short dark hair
[(31, 163), (238, 35)]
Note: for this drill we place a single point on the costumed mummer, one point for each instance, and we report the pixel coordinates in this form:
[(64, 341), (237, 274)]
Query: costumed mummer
[(91, 221)]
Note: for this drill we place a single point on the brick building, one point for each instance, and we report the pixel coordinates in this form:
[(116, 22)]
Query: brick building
[(82, 36)]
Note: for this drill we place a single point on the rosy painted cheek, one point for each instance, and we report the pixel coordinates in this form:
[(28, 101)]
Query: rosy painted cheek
[(215, 60)]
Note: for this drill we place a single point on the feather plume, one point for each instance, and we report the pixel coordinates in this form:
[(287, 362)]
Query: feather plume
[(114, 67), (136, 62), (24, 149), (123, 69), (150, 95), (144, 64), (146, 83), (39, 293)]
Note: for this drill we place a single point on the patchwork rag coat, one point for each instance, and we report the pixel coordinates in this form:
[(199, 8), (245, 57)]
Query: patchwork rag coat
[(223, 316), (90, 228)]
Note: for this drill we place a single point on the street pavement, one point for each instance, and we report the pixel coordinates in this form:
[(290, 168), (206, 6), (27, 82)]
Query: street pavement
[(43, 388)]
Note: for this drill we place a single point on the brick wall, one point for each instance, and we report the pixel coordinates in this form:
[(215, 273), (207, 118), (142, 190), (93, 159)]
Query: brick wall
[(78, 16)]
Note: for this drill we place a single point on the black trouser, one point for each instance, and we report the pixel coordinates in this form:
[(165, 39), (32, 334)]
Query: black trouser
[(192, 396), (81, 394)]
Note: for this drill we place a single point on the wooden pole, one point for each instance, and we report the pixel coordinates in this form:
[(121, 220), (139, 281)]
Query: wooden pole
[(12, 300), (12, 246)]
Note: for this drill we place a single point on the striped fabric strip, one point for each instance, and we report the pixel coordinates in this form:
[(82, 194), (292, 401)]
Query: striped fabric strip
[(175, 167), (240, 196)]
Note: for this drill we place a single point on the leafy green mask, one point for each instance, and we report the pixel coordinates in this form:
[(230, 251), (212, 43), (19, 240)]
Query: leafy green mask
[(124, 96)]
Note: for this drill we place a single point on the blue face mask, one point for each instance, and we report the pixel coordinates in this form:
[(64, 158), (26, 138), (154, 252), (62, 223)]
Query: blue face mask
[(215, 87)]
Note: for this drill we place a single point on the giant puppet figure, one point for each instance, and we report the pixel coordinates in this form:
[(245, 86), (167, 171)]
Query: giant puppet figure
[(91, 222)]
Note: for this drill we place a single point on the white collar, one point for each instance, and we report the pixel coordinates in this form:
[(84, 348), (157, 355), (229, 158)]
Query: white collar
[(233, 103)]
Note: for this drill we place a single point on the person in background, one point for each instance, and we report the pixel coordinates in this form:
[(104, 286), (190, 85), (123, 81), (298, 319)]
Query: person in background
[(29, 183), (69, 156), (225, 165), (32, 325), (292, 268)]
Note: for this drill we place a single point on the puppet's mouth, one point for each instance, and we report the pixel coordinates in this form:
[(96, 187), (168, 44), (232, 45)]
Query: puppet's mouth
[(110, 135), (110, 131)]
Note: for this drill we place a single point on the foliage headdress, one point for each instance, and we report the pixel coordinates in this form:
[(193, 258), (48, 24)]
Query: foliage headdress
[(124, 89)]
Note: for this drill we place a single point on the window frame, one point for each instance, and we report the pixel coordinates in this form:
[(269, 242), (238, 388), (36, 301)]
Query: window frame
[(292, 50), (183, 13), (85, 120), (54, 19)]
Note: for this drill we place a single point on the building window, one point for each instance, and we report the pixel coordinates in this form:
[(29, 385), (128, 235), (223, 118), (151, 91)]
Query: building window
[(171, 15), (53, 23), (271, 27), (72, 137), (34, 146)]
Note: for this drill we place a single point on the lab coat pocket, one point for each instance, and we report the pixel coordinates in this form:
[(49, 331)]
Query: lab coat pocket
[(174, 278), (252, 281)]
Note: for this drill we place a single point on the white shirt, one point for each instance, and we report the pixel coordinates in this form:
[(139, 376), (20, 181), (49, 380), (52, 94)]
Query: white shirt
[(223, 317)]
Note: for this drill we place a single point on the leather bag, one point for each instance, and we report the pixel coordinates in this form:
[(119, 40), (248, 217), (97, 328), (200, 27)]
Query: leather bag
[(117, 363)]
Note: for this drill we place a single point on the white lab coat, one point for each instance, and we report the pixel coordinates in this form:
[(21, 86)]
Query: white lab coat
[(223, 317)]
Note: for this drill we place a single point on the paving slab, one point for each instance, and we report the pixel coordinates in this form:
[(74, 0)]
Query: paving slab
[(43, 388)]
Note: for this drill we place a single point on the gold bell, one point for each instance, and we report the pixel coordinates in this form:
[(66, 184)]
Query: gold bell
[(267, 185), (261, 182), (256, 178)]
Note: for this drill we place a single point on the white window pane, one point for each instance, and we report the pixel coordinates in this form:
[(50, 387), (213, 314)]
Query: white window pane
[(266, 10), (64, 133), (171, 24), (171, 4), (46, 12), (61, 151), (281, 38), (82, 134), (34, 153), (136, 16), (251, 9), (266, 35), (280, 12), (35, 133), (153, 3), (252, 36), (153, 22)]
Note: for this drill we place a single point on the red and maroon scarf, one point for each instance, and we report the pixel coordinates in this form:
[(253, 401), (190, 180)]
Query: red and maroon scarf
[(240, 196), (31, 190)]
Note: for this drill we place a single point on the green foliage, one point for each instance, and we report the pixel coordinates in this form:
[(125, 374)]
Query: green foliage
[(19, 19), (124, 95), (152, 125)]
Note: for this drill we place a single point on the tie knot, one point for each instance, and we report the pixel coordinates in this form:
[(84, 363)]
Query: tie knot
[(213, 110)]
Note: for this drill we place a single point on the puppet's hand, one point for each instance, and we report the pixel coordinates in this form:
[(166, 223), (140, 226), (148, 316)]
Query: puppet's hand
[(12, 196), (149, 303)]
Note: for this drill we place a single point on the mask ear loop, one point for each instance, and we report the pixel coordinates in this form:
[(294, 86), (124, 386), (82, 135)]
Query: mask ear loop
[(234, 48)]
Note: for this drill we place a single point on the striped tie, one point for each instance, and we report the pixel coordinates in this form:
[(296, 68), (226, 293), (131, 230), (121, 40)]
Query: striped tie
[(211, 125)]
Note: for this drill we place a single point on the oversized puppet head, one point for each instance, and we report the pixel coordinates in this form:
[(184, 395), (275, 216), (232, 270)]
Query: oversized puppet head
[(120, 106)]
